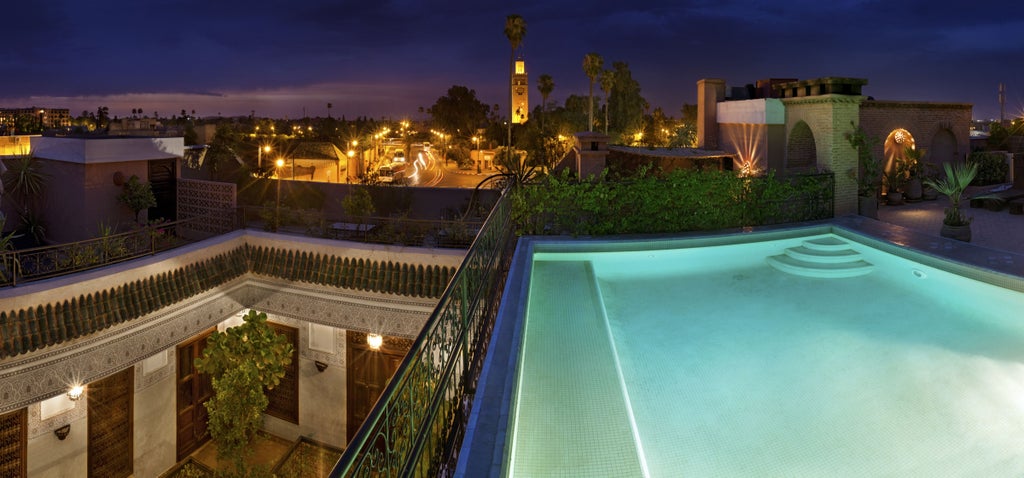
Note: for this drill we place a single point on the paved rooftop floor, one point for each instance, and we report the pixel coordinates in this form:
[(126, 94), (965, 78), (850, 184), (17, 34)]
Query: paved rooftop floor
[(998, 230)]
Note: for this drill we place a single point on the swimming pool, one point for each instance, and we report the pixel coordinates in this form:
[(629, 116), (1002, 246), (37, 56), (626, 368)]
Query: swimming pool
[(728, 359)]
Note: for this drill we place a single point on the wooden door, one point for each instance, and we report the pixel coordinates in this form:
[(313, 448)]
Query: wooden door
[(368, 373), (110, 425), (164, 185), (13, 443), (193, 390), (284, 398)]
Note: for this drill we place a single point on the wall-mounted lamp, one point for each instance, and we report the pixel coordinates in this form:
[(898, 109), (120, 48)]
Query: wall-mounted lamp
[(75, 392), (374, 341), (320, 366), (62, 432)]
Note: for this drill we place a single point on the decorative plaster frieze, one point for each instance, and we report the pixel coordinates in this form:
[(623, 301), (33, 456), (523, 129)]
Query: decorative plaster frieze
[(49, 372)]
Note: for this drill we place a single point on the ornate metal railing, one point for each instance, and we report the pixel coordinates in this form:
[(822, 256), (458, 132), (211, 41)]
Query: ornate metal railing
[(37, 263), (417, 425)]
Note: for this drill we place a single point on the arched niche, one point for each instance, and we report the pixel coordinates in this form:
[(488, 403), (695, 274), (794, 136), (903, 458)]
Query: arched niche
[(896, 145), (801, 151)]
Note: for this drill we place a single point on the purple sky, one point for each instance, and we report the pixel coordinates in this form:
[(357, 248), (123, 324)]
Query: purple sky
[(388, 58)]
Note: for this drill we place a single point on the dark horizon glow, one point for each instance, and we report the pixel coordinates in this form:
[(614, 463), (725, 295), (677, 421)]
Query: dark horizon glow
[(388, 59)]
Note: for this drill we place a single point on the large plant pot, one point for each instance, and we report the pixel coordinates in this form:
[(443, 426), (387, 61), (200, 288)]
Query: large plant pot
[(929, 194), (914, 189), (894, 198), (867, 206), (960, 233)]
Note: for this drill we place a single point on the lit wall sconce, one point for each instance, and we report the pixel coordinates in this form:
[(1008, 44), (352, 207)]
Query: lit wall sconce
[(62, 432), (75, 392), (374, 341), (320, 366)]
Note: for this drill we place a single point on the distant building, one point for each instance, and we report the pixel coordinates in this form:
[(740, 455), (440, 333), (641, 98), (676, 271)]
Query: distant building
[(520, 93), (48, 118)]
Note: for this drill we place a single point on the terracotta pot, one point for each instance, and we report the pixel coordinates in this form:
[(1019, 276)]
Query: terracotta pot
[(914, 189), (960, 233)]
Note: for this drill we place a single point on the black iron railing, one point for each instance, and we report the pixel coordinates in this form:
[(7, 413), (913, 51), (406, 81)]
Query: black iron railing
[(26, 265), (417, 425)]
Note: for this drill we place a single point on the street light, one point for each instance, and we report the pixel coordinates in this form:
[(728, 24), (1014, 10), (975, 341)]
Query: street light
[(277, 215), (476, 142), (259, 153)]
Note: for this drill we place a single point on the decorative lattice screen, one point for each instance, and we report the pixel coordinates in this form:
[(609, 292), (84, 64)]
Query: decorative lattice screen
[(210, 203), (13, 429)]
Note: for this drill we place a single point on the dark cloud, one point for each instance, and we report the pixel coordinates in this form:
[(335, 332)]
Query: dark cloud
[(284, 53)]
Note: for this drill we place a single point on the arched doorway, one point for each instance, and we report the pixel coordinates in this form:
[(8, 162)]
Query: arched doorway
[(897, 143)]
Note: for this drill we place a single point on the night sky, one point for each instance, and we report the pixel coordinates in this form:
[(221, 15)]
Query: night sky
[(388, 58)]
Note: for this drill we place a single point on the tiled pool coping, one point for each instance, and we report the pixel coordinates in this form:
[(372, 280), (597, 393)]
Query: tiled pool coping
[(484, 446)]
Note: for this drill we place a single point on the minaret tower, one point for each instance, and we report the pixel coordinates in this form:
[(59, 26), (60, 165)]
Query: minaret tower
[(520, 93)]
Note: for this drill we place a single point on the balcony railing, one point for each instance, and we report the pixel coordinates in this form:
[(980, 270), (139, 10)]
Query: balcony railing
[(26, 265), (417, 424)]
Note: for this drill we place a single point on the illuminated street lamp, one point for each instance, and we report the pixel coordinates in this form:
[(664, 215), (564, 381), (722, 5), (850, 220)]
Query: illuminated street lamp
[(277, 216), (476, 143), (259, 154)]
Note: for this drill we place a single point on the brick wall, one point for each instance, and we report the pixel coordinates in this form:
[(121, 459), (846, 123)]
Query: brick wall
[(829, 118)]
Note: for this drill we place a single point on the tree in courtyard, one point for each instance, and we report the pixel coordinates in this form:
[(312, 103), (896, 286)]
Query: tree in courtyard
[(243, 362), (545, 85), (607, 83), (515, 30), (592, 63), (137, 195)]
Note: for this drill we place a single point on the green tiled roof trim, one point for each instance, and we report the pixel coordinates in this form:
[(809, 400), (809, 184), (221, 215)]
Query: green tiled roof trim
[(27, 330)]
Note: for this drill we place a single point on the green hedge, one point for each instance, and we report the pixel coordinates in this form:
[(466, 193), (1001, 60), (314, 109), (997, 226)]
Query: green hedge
[(676, 202), (992, 167)]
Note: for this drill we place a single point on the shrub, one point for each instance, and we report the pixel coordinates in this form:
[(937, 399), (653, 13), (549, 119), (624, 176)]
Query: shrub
[(992, 167)]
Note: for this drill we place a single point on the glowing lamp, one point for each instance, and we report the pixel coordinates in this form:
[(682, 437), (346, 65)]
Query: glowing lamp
[(374, 341), (75, 392)]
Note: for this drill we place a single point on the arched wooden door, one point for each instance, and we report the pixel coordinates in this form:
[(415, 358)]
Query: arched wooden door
[(368, 373)]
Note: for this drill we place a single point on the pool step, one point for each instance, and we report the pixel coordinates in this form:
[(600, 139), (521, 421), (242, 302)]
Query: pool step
[(826, 257)]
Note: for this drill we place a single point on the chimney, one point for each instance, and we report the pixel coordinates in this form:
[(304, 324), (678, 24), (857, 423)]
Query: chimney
[(709, 93)]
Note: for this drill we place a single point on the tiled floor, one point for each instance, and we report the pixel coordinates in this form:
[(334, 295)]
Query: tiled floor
[(992, 229), (267, 451)]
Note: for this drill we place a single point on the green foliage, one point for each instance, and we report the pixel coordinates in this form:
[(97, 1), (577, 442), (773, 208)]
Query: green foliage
[(9, 265), (243, 362), (592, 63), (358, 203), (137, 195), (992, 167), (958, 176), (869, 175), (459, 111), (682, 200)]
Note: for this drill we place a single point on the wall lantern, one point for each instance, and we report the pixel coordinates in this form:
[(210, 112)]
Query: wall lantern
[(374, 341), (75, 392)]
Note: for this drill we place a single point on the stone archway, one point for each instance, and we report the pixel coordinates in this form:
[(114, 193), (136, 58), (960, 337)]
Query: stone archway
[(801, 151), (943, 148), (896, 144)]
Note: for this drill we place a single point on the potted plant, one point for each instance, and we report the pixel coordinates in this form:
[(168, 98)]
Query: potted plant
[(868, 172), (929, 193), (955, 224), (896, 182), (915, 172)]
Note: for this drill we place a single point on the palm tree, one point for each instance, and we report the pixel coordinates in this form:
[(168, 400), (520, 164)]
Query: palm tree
[(592, 63), (515, 30), (607, 82), (545, 84)]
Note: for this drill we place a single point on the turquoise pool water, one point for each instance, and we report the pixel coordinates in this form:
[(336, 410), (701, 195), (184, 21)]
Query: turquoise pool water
[(708, 361)]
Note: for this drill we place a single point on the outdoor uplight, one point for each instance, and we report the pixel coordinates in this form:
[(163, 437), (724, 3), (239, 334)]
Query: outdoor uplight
[(374, 341)]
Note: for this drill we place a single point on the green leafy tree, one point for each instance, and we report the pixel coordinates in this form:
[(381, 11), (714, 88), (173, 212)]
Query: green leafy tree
[(459, 110), (243, 362), (627, 105), (592, 63), (137, 195), (515, 31)]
